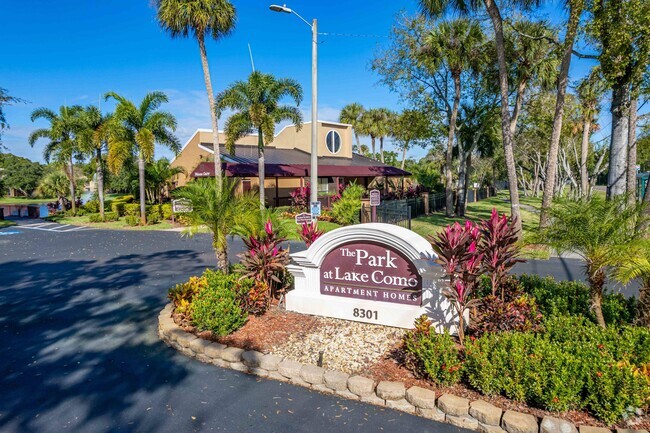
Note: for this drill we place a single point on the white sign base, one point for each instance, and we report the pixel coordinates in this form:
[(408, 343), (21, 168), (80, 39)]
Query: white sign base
[(307, 297)]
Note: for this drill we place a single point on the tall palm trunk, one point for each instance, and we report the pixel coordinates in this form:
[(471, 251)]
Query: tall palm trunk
[(449, 192), (358, 143), (73, 188), (462, 178), (381, 148), (497, 23), (213, 112), (584, 151), (521, 89), (562, 82), (260, 167), (404, 155), (468, 177), (100, 180), (596, 280), (631, 151), (143, 209), (616, 178), (222, 256), (372, 143)]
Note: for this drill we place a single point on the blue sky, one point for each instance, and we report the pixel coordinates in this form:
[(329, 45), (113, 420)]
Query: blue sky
[(72, 52)]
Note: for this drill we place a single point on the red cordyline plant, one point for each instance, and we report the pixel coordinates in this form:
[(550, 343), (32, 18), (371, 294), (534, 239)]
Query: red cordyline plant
[(300, 198), (498, 240), (457, 249), (265, 260), (309, 232)]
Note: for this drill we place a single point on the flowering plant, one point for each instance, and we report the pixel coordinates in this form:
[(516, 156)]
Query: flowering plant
[(309, 232)]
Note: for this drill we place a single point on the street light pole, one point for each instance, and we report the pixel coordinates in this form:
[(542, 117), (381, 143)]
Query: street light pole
[(314, 98)]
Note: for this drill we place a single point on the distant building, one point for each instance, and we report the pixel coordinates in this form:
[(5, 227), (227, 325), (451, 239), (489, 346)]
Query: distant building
[(287, 161)]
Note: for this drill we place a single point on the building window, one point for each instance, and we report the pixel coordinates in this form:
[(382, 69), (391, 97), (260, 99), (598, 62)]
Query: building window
[(323, 185), (333, 140)]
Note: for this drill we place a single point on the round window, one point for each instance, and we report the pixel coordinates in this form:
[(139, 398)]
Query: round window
[(333, 141)]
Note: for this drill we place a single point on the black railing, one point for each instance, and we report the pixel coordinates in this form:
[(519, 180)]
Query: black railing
[(388, 212)]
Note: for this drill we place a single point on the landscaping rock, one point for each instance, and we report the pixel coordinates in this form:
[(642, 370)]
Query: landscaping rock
[(198, 345), (239, 366), (289, 368), (258, 372), (203, 358), (517, 422), (627, 430), (391, 390), (322, 388), (312, 374), (175, 334), (452, 405), (252, 358), (300, 382), (270, 362), (434, 414), (402, 405), (277, 376), (373, 399), (232, 354), (486, 428), (361, 386), (465, 421), (588, 429), (347, 395), (214, 350), (556, 425), (221, 363), (185, 339), (421, 397), (485, 412), (336, 380)]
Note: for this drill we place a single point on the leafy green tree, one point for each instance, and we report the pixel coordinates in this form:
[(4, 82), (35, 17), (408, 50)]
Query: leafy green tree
[(600, 232), (5, 99), (158, 179), (20, 173), (94, 135), (63, 144), (410, 128), (220, 210), (375, 122), (351, 114), (136, 131), (258, 109), (201, 18)]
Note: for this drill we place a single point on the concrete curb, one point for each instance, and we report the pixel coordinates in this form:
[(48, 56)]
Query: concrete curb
[(475, 415)]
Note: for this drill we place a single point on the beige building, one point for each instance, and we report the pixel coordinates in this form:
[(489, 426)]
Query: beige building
[(287, 161)]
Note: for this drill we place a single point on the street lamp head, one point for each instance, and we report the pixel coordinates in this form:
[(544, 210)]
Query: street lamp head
[(278, 8)]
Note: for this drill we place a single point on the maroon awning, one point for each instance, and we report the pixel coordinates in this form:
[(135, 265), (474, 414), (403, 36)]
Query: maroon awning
[(206, 169)]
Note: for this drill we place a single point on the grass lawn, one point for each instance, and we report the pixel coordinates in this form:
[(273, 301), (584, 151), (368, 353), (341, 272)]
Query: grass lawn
[(25, 200), (114, 225), (326, 226), (432, 224), (6, 223)]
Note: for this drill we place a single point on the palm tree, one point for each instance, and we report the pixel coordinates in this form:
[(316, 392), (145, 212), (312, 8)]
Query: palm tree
[(590, 91), (158, 178), (54, 184), (351, 114), (457, 44), (201, 18), (63, 145), (634, 264), (93, 141), (372, 122), (257, 109), (435, 8), (599, 232), (385, 120), (220, 210), (140, 127)]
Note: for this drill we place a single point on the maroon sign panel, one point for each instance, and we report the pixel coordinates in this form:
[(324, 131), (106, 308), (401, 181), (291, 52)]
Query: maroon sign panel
[(370, 271)]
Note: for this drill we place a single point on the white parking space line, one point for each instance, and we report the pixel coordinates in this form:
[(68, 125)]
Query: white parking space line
[(58, 228)]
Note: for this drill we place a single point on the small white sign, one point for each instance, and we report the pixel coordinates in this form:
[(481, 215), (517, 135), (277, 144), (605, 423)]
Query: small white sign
[(315, 208), (181, 205), (375, 197), (304, 218)]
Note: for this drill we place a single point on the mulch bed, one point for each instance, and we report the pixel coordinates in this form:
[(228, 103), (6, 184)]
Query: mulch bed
[(276, 326)]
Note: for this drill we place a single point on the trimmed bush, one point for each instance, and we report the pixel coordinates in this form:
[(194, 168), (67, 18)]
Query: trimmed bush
[(132, 209), (91, 206), (216, 307), (166, 211), (111, 216), (118, 207), (95, 218), (182, 295), (346, 210), (132, 220)]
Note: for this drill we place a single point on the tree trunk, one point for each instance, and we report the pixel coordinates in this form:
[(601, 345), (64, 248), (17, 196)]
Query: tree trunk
[(143, 209), (222, 256), (260, 167), (562, 81), (358, 144), (213, 112), (584, 152), (521, 89), (100, 181), (616, 178), (404, 155), (381, 148), (596, 280), (508, 150), (462, 186), (631, 151), (372, 143), (73, 187), (449, 192), (643, 305)]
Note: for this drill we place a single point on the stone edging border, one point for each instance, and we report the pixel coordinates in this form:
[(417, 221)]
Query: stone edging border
[(475, 415)]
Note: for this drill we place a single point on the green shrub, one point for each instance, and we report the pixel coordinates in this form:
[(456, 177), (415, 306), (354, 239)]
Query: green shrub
[(107, 204), (166, 211), (345, 211), (111, 216), (435, 356), (118, 207), (91, 206), (95, 218), (132, 220), (82, 212), (182, 295), (132, 209), (216, 308)]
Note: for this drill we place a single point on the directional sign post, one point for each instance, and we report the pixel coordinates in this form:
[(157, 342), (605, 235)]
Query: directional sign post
[(375, 200)]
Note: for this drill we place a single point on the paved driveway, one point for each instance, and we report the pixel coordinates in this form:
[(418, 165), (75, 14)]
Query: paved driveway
[(79, 352)]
